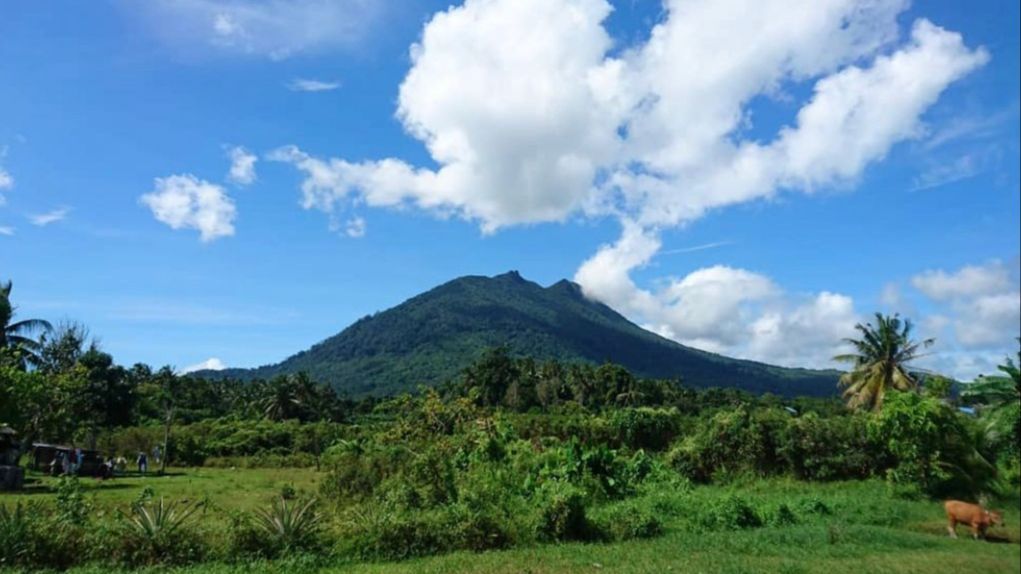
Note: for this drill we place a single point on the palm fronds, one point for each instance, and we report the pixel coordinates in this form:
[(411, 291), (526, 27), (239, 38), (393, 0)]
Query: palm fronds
[(879, 361)]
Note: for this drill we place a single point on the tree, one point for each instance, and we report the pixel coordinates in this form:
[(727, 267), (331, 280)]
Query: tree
[(168, 386), (280, 401), (62, 347), (998, 398), (16, 336), (880, 361)]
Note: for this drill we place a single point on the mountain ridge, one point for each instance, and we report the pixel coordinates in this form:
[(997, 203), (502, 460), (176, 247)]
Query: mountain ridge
[(429, 338)]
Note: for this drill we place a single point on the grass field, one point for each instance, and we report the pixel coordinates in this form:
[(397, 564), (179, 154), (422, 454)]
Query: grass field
[(866, 529)]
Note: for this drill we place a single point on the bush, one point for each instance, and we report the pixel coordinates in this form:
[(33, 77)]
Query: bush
[(289, 526), (159, 533), (645, 428), (728, 513), (730, 443), (627, 521), (561, 513), (834, 448), (16, 534), (933, 447)]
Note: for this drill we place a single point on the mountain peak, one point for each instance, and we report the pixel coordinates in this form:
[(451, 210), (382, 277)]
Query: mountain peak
[(511, 275), (430, 338)]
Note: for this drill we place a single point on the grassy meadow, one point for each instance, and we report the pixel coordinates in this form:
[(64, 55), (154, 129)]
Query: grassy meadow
[(851, 526)]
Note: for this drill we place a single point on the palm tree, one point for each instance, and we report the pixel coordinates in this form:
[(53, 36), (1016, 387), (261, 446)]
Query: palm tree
[(279, 401), (999, 399), (880, 361), (16, 335)]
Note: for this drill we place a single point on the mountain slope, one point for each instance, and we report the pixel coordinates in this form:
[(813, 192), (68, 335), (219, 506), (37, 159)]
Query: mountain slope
[(429, 338)]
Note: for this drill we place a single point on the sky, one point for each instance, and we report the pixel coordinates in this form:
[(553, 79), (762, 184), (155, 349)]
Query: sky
[(224, 183)]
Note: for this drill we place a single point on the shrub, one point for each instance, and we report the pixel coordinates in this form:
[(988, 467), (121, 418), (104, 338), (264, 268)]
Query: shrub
[(561, 513), (158, 534), (833, 448), (782, 515), (374, 532), (645, 428), (932, 446), (288, 527), (627, 521), (15, 537), (729, 443), (730, 512)]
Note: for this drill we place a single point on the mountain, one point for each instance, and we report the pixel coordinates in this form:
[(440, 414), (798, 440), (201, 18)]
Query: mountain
[(429, 338)]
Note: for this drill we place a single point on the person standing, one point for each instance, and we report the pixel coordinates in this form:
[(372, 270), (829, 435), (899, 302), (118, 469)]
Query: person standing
[(143, 463), (156, 453)]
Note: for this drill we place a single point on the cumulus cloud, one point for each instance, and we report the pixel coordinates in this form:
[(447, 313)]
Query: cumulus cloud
[(186, 202), (211, 364), (982, 303), (720, 308), (274, 28), (242, 166), (44, 219), (533, 131), (306, 85), (530, 115), (968, 281)]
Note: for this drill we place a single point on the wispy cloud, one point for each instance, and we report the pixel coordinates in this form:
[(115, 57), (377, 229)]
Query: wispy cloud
[(973, 127), (44, 219), (271, 28), (964, 167), (6, 182), (306, 85), (695, 248), (6, 230)]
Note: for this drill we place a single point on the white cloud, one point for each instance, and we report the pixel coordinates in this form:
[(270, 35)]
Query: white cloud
[(44, 219), (355, 227), (529, 115), (242, 166), (211, 364), (939, 174), (6, 230), (273, 28), (977, 311), (6, 182), (184, 201), (968, 281), (721, 309), (533, 131), (307, 85)]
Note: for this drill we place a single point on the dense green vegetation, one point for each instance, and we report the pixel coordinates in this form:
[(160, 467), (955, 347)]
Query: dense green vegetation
[(430, 338), (523, 459)]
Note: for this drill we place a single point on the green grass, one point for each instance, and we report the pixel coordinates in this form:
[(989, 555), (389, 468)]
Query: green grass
[(221, 488), (868, 529)]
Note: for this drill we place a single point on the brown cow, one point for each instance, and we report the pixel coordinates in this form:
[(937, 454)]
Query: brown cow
[(978, 518)]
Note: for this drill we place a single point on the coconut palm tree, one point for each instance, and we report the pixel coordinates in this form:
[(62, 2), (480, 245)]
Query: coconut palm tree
[(17, 335), (998, 398), (880, 361)]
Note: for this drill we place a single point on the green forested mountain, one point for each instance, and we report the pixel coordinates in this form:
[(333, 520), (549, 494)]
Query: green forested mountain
[(428, 340)]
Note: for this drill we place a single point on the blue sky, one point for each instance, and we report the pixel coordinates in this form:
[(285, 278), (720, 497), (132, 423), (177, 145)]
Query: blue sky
[(751, 180)]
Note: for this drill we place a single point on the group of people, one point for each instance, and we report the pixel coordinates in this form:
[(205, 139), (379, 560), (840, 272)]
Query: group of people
[(70, 462)]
